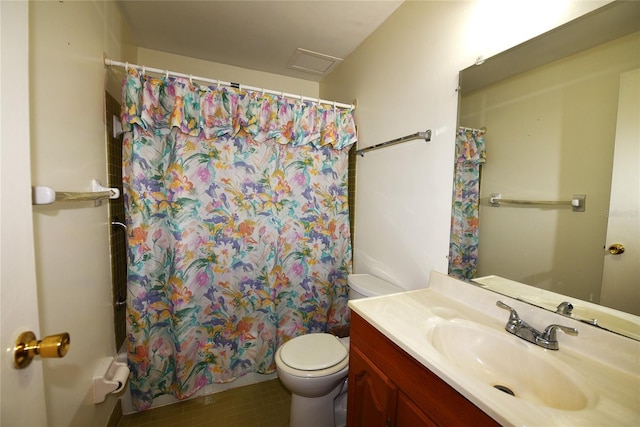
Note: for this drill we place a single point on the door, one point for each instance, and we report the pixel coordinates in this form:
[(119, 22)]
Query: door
[(621, 275), (22, 391)]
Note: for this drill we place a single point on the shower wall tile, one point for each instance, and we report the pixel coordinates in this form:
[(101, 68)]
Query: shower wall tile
[(117, 236), (351, 185)]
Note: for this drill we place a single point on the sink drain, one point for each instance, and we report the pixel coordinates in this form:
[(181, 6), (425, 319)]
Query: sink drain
[(504, 389)]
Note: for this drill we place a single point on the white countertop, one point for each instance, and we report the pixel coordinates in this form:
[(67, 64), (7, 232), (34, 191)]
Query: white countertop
[(608, 363)]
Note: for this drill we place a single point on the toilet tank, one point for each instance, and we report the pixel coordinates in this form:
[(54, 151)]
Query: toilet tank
[(366, 285)]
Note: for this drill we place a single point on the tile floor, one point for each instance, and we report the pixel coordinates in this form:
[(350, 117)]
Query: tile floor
[(264, 404)]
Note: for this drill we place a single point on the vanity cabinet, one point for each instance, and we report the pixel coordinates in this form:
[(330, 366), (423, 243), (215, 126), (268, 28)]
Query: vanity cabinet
[(389, 388)]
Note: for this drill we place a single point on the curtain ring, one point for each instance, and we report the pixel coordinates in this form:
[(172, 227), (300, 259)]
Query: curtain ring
[(190, 79), (334, 107), (144, 71), (126, 67), (166, 74)]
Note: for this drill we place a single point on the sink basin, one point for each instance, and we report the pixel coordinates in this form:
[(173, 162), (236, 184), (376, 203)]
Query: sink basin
[(510, 365)]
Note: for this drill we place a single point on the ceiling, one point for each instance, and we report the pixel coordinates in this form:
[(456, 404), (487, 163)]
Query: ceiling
[(261, 35)]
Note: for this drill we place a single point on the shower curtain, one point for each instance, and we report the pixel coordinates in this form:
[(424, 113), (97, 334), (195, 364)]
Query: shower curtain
[(238, 229), (463, 249)]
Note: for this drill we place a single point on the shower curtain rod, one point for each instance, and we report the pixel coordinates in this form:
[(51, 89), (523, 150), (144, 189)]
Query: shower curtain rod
[(482, 129), (111, 63)]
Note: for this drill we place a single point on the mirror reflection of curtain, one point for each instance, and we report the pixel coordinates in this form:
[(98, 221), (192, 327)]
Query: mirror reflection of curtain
[(238, 230), (463, 249)]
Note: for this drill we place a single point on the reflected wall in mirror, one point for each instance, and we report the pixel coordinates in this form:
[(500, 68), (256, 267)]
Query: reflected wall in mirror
[(563, 102)]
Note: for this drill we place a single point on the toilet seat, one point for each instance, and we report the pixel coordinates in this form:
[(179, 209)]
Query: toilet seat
[(334, 368), (313, 352)]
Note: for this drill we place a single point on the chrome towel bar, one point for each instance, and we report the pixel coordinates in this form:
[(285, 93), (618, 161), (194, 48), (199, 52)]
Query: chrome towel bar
[(47, 195), (418, 135), (577, 202)]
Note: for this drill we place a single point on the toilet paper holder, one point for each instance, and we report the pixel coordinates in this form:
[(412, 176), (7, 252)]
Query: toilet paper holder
[(111, 377)]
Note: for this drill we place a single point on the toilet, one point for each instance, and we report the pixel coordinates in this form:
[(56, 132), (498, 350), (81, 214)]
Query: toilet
[(314, 367)]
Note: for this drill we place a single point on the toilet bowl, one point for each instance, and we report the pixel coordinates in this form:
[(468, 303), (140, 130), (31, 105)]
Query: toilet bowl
[(314, 367)]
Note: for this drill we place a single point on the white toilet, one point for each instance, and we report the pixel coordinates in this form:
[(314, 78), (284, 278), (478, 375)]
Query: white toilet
[(314, 367)]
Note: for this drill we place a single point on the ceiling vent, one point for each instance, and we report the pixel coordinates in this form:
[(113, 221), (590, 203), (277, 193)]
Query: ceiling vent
[(312, 62)]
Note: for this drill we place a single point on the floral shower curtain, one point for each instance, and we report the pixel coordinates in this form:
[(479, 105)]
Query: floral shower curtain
[(463, 250), (238, 230)]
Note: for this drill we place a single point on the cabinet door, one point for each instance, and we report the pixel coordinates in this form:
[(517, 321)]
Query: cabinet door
[(372, 396), (426, 396), (409, 415)]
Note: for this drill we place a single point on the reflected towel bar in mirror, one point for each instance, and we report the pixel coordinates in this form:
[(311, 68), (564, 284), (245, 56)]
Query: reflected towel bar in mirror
[(577, 202)]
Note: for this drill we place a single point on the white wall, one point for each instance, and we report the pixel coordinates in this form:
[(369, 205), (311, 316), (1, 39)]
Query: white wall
[(405, 77), (68, 146)]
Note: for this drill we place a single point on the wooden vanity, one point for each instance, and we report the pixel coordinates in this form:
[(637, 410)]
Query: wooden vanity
[(432, 357), (389, 388)]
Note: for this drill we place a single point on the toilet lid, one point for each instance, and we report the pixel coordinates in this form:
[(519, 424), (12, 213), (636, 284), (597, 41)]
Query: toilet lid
[(312, 352)]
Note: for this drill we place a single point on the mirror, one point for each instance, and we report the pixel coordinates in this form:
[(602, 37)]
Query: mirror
[(553, 108)]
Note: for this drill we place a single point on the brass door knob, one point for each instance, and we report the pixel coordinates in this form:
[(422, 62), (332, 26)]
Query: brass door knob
[(28, 346), (616, 249)]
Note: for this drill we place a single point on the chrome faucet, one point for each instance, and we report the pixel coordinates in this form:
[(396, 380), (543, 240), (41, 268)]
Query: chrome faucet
[(565, 308), (545, 339)]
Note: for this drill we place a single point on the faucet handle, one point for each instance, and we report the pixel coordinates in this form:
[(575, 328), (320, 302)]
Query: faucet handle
[(506, 307), (513, 317), (549, 333)]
